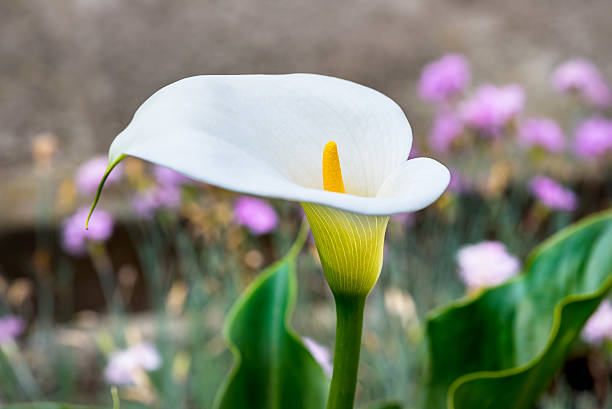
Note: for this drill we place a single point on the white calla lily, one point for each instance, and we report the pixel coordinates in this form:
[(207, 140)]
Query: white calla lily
[(264, 135)]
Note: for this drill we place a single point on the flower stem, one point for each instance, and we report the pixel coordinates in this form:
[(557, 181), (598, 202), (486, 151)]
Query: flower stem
[(349, 321)]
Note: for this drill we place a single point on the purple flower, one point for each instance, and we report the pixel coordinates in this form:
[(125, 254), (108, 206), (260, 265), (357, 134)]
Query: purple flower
[(168, 177), (146, 202), (491, 108), (11, 327), (582, 77), (486, 264), (124, 364), (320, 354), (90, 173), (169, 196), (542, 132), (446, 128), (593, 137), (75, 236), (552, 195), (445, 78), (256, 214), (599, 326)]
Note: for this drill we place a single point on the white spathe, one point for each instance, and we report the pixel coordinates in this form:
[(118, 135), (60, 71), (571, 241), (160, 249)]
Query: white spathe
[(264, 135)]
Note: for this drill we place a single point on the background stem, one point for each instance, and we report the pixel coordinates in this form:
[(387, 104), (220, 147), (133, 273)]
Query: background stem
[(349, 321)]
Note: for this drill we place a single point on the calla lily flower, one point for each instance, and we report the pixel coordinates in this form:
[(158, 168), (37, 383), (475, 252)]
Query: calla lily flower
[(265, 135)]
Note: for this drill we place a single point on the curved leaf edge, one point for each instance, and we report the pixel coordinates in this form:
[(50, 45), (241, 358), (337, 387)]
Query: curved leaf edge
[(244, 297), (557, 313)]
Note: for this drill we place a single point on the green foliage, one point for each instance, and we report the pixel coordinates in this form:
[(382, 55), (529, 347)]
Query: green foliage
[(498, 349), (501, 349), (272, 367)]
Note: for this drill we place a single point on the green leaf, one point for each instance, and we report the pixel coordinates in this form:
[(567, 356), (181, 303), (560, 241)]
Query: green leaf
[(273, 368), (501, 349)]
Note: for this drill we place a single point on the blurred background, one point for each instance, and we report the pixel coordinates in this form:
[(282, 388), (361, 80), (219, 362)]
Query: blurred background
[(513, 96)]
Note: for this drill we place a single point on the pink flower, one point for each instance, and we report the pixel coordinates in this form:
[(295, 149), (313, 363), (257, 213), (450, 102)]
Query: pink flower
[(491, 108), (256, 214), (166, 176), (445, 78), (123, 364), (582, 77), (74, 235), (320, 354), (446, 128), (146, 202), (11, 327), (599, 326), (90, 173), (486, 264), (593, 137), (542, 132), (552, 195)]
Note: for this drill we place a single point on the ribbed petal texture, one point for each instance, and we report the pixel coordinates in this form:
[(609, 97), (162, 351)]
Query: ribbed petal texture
[(350, 246)]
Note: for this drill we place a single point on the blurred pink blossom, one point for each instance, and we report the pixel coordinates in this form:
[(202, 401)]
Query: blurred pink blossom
[(144, 203), (166, 176), (90, 173), (320, 354), (11, 326), (599, 327), (255, 214), (445, 78), (582, 77), (446, 128), (542, 132), (75, 236), (123, 364), (593, 137), (491, 108), (486, 264), (552, 195), (163, 196)]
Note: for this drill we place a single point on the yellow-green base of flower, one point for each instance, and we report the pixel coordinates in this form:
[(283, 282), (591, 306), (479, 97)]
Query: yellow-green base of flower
[(350, 246)]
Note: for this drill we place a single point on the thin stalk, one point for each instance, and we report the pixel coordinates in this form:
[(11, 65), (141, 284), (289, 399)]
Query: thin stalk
[(349, 323)]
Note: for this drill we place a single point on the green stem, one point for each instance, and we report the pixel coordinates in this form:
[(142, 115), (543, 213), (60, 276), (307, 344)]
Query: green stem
[(349, 322)]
